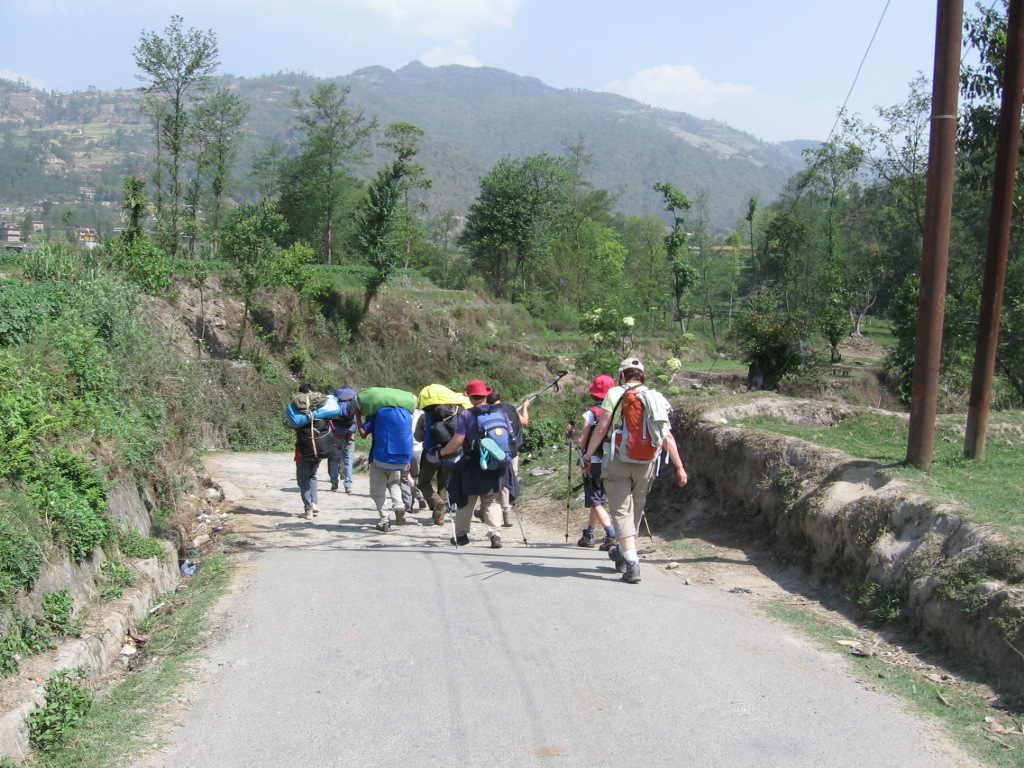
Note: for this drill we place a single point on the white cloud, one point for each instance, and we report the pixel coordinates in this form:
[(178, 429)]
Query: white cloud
[(21, 77), (457, 52), (682, 88)]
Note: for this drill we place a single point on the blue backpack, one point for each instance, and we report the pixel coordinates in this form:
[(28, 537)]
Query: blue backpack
[(493, 440)]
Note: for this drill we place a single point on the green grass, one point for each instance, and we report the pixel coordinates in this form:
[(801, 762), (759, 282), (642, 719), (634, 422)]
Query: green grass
[(989, 491), (123, 720), (960, 709)]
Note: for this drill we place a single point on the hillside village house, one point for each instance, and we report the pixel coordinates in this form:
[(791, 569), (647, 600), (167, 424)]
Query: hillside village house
[(84, 236), (9, 232)]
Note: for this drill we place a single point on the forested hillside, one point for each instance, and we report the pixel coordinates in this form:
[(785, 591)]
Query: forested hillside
[(52, 143)]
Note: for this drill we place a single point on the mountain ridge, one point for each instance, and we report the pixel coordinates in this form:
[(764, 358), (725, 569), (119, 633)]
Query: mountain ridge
[(472, 118)]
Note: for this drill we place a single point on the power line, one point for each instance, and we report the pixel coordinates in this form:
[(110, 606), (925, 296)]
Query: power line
[(853, 85)]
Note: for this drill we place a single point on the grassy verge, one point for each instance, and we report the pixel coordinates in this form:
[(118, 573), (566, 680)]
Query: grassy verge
[(959, 708), (123, 720), (989, 491)]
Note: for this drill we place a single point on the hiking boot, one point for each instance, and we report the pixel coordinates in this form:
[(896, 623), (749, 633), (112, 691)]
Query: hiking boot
[(616, 556), (348, 489), (495, 541), (422, 503), (399, 517), (440, 513), (506, 519), (459, 541), (586, 540), (305, 514), (608, 543), (334, 486), (632, 573), (384, 526)]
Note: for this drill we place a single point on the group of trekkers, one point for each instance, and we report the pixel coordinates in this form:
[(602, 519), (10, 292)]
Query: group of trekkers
[(457, 452)]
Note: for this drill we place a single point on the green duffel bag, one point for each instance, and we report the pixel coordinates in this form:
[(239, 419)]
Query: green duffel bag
[(371, 400)]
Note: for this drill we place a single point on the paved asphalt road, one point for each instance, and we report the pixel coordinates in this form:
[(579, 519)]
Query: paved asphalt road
[(346, 647)]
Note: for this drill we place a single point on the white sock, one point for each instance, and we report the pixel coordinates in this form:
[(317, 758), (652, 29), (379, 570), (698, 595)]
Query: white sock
[(631, 556)]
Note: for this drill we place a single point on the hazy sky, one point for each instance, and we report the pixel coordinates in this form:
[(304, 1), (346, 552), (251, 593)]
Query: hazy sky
[(779, 70)]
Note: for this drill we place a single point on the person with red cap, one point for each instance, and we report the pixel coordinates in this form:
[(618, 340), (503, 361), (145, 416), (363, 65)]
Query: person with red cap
[(594, 494), (471, 484)]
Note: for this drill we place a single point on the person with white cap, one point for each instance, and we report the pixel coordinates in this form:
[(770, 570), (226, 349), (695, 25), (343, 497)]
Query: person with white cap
[(640, 436)]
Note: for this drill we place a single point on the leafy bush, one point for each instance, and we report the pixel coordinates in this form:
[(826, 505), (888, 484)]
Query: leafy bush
[(134, 544), (73, 497), (143, 264), (52, 725), (59, 610), (768, 339), (24, 307), (115, 579), (21, 544)]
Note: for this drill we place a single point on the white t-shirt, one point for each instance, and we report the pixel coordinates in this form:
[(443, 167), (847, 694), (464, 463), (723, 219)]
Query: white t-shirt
[(590, 419)]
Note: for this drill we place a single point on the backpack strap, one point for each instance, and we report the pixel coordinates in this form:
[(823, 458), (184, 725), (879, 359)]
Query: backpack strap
[(611, 424)]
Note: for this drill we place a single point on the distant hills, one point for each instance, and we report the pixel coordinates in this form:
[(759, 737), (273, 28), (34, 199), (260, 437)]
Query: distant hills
[(472, 117)]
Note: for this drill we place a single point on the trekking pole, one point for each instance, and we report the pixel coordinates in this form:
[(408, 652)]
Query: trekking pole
[(451, 514), (647, 526), (554, 384), (569, 434), (521, 529)]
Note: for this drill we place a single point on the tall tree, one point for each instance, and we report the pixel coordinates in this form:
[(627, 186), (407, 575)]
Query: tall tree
[(266, 171), (218, 134), (684, 276), (175, 69), (317, 184), (508, 229), (379, 217), (249, 241)]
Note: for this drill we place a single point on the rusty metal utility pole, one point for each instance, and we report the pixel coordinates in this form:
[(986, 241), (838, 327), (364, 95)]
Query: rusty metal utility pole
[(931, 306), (1003, 191)]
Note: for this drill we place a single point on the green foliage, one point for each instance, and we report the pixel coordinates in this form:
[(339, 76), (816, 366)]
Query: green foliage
[(58, 262), (142, 263), (24, 307), (115, 578), (544, 432), (72, 496), (176, 71), (509, 229), (317, 185), (59, 611), (10, 649), (133, 544), (52, 725), (611, 339), (249, 242), (22, 543), (885, 603), (768, 340)]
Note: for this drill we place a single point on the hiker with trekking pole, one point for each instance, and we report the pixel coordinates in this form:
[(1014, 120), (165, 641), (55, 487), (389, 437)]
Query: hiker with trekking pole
[(635, 418), (594, 495), (483, 434)]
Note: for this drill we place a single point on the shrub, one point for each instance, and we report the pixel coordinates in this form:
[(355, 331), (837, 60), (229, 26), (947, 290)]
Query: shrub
[(52, 725), (21, 544), (59, 609), (134, 544)]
